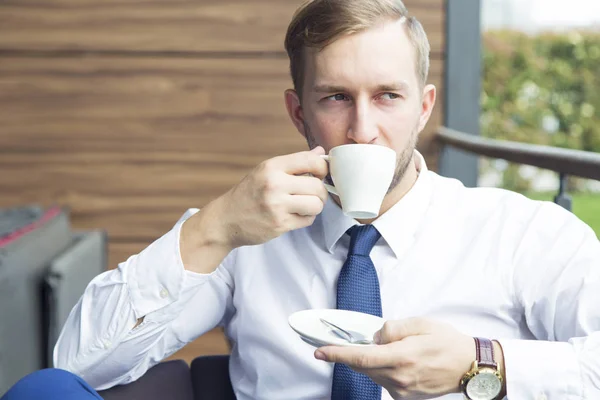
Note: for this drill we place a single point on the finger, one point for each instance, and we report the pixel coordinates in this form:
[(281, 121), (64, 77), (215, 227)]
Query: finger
[(318, 150), (301, 221), (305, 162), (304, 205), (393, 331), (358, 357), (306, 185)]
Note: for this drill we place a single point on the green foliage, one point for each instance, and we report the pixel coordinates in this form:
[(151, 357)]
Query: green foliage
[(513, 180), (542, 89)]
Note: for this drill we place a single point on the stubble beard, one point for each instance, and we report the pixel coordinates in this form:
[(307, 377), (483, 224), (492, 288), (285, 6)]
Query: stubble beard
[(403, 160)]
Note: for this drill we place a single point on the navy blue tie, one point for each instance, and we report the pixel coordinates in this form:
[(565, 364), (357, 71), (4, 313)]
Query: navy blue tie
[(357, 290)]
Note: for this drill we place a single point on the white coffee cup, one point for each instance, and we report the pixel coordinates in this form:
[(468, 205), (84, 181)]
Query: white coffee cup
[(361, 174)]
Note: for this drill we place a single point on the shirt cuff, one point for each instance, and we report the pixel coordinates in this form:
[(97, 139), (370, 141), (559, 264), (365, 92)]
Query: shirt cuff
[(541, 370), (156, 276)]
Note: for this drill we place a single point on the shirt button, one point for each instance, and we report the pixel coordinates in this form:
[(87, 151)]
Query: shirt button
[(107, 344), (164, 293)]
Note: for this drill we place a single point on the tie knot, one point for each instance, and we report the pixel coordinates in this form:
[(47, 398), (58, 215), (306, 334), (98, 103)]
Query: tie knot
[(362, 239)]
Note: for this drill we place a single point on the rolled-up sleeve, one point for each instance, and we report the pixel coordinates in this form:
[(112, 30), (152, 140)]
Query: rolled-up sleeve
[(98, 341), (557, 283)]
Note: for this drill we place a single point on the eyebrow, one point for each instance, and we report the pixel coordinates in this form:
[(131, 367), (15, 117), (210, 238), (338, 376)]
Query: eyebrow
[(387, 87), (395, 86), (328, 89)]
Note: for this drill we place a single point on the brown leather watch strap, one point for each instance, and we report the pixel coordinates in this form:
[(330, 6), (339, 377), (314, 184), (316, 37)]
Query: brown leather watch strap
[(485, 353)]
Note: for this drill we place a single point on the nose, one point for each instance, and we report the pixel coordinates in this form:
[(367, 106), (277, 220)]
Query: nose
[(363, 127)]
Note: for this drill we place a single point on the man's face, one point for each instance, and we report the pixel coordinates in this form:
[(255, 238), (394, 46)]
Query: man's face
[(363, 88)]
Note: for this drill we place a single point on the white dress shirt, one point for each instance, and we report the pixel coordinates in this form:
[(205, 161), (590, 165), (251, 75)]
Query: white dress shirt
[(490, 262)]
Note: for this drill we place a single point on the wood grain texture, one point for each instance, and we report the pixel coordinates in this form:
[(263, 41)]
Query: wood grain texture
[(222, 27), (120, 251), (130, 144)]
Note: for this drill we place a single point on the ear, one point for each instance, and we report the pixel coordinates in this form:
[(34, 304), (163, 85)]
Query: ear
[(294, 109), (428, 102)]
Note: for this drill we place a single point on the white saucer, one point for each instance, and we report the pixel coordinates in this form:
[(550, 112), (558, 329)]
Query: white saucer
[(308, 325)]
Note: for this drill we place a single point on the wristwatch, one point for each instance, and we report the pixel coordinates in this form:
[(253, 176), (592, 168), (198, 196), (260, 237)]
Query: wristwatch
[(483, 381)]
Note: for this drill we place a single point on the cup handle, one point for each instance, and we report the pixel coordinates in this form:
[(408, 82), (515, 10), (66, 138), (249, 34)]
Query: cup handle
[(330, 188)]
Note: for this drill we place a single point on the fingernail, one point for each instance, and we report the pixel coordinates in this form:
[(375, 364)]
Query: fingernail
[(377, 337), (319, 355)]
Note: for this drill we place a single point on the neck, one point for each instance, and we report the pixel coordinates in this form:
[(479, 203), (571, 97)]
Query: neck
[(396, 194)]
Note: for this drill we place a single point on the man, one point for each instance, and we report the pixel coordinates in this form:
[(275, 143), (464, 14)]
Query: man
[(450, 263)]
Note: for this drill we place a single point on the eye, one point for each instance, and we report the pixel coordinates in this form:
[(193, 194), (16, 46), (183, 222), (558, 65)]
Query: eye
[(390, 96), (337, 97)]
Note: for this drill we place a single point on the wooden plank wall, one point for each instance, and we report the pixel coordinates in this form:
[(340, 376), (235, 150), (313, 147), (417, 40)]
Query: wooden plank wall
[(128, 112)]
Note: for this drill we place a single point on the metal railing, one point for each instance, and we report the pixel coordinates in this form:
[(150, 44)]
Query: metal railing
[(565, 162)]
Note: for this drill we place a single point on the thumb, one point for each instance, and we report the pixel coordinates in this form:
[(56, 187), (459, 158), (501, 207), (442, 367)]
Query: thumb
[(393, 331)]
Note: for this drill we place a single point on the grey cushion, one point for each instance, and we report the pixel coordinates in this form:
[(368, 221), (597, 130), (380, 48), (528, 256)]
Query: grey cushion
[(23, 264), (66, 279), (13, 219), (169, 380)]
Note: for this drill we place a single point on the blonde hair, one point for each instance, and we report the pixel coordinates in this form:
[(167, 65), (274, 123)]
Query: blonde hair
[(318, 23)]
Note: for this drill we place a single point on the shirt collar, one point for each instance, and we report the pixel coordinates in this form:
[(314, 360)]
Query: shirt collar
[(397, 226)]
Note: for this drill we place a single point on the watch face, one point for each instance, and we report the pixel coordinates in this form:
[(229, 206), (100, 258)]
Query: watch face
[(484, 386)]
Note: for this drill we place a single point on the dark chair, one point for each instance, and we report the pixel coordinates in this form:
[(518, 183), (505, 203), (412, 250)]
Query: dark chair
[(208, 379), (166, 380)]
